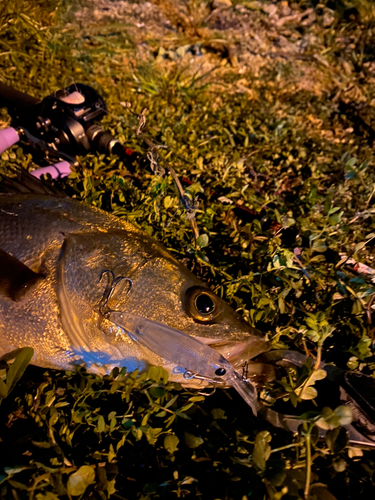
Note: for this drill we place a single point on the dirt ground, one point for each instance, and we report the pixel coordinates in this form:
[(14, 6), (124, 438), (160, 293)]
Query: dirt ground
[(280, 48)]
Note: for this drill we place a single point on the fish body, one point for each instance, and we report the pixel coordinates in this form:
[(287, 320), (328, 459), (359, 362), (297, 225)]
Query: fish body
[(71, 244)]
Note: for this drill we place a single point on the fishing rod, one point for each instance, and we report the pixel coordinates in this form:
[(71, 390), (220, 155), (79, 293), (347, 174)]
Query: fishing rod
[(60, 126)]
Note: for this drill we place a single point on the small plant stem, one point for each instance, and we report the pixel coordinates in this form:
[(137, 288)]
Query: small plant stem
[(37, 480), (369, 199), (308, 464), (174, 175), (318, 355), (292, 445)]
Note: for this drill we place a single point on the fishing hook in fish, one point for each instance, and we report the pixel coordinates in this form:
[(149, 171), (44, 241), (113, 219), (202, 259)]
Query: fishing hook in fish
[(245, 371), (112, 283), (245, 374)]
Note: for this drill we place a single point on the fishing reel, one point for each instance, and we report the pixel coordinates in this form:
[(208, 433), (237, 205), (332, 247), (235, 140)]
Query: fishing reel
[(62, 125), (65, 120)]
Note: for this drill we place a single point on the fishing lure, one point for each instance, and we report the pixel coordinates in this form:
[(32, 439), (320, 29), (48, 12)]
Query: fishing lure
[(194, 358)]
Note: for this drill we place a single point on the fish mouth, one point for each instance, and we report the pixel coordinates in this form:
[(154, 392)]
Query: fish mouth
[(238, 352), (241, 353)]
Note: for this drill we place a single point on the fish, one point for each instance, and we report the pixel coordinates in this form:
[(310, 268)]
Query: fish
[(62, 247)]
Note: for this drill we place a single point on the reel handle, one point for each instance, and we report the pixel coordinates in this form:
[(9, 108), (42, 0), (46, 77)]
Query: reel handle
[(56, 171), (8, 137)]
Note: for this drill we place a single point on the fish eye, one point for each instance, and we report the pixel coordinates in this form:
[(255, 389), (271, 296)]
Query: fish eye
[(202, 304), (220, 372)]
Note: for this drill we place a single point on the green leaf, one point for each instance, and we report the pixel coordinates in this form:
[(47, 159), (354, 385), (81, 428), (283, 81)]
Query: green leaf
[(331, 419), (313, 335), (339, 465), (53, 419), (218, 413), (169, 201), (281, 304), (202, 240), (337, 439), (111, 453), (42, 444), (171, 443), (308, 393), (321, 493), (192, 441), (49, 495), (80, 480), (350, 163), (18, 485), (158, 374), (171, 402), (196, 399), (319, 246), (3, 390), (360, 245), (157, 392), (262, 449), (344, 414), (137, 433), (317, 375), (275, 472), (101, 424), (18, 366)]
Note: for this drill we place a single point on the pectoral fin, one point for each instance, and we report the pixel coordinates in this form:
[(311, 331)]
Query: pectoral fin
[(16, 279)]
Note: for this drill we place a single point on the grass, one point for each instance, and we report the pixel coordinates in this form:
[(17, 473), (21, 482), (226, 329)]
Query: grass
[(288, 133)]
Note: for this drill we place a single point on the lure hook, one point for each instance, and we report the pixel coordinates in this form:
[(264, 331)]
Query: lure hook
[(207, 394), (112, 283), (189, 375)]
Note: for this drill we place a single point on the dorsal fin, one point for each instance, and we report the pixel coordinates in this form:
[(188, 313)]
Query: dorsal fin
[(20, 181), (16, 279)]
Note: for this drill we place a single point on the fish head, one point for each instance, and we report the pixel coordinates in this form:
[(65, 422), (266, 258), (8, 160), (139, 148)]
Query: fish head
[(162, 290), (166, 291)]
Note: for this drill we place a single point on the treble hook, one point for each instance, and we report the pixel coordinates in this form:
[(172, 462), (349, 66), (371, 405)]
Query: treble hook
[(189, 375), (109, 290), (214, 386)]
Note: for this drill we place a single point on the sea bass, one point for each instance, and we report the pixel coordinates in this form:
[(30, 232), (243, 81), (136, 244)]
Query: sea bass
[(67, 247)]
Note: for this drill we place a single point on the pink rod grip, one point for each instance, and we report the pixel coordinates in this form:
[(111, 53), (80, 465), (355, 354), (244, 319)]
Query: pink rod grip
[(8, 137), (58, 170)]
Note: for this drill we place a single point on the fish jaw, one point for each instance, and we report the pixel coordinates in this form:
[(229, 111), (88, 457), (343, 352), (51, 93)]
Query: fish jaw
[(239, 352)]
